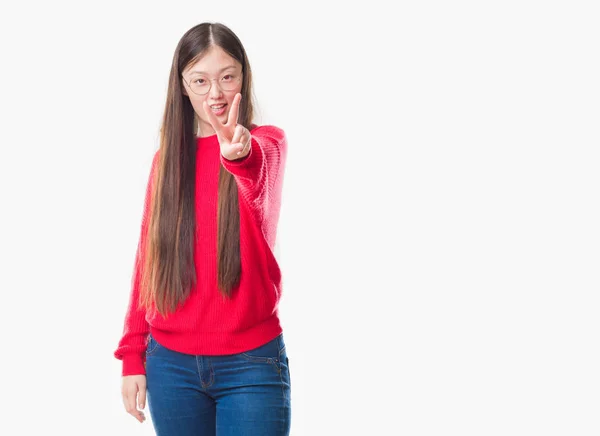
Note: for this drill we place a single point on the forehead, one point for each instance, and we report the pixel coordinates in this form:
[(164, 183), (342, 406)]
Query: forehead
[(212, 62)]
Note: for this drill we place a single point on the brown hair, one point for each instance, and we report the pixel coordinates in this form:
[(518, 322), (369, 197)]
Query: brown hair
[(168, 271)]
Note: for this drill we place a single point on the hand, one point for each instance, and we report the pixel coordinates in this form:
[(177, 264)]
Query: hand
[(234, 139), (134, 387)]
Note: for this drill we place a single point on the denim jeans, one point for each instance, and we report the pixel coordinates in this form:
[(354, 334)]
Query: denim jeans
[(244, 394)]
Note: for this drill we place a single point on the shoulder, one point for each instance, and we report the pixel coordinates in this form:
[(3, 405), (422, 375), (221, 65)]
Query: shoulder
[(154, 164), (155, 159)]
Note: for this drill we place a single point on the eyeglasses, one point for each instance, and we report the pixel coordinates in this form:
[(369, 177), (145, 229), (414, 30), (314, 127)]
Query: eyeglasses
[(201, 85)]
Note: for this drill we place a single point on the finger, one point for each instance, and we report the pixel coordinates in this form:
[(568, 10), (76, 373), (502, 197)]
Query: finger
[(129, 401), (237, 135), (245, 148), (212, 118), (142, 398), (234, 110), (140, 416)]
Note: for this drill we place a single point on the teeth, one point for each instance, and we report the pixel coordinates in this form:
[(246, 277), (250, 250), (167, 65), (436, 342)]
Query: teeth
[(217, 107)]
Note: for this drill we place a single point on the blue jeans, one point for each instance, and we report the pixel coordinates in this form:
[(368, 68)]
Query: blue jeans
[(244, 394)]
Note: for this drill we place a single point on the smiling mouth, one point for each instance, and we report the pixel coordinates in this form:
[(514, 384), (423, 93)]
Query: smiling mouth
[(219, 110)]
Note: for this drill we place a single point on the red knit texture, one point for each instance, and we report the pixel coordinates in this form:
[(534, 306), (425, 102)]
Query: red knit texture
[(208, 323)]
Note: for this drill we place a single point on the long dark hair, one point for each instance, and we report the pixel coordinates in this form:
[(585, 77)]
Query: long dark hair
[(168, 272)]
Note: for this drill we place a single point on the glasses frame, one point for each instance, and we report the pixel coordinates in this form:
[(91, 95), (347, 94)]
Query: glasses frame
[(211, 83)]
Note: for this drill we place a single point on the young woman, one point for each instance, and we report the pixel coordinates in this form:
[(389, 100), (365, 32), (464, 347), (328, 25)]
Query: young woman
[(202, 337)]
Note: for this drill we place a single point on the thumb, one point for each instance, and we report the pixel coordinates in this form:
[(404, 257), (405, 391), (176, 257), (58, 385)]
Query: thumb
[(239, 131), (142, 397)]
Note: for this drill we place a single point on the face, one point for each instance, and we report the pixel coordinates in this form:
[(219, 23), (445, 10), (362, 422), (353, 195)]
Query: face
[(219, 70)]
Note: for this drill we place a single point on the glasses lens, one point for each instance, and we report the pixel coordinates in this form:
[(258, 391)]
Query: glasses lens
[(229, 81), (201, 85)]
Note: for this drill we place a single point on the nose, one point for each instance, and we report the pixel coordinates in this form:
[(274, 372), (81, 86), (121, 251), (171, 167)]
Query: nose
[(215, 90)]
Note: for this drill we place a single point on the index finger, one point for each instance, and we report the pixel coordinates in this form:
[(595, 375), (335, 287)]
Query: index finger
[(212, 118)]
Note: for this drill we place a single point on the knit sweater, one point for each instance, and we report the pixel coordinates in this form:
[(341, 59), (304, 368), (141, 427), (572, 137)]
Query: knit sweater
[(208, 323)]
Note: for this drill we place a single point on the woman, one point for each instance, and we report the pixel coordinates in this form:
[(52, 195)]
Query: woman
[(202, 335)]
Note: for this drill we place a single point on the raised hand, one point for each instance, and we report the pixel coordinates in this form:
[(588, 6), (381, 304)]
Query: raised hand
[(234, 138)]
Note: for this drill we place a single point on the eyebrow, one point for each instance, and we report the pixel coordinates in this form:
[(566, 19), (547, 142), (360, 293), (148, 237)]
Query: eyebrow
[(220, 71)]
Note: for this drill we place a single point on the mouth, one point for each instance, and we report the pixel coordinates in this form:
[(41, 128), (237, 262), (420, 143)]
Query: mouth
[(218, 109)]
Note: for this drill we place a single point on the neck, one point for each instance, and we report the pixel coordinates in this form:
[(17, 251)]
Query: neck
[(204, 130)]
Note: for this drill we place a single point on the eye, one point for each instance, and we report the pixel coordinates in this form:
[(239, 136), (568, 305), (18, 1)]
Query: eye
[(225, 77), (199, 81)]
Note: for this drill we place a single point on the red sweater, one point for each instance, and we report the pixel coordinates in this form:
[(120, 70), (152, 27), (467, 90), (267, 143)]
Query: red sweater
[(208, 323)]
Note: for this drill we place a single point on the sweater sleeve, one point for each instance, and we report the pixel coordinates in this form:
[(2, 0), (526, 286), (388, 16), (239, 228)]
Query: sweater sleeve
[(257, 172), (132, 345)]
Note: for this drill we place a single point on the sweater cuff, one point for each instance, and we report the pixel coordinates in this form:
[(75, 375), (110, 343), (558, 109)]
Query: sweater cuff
[(134, 364)]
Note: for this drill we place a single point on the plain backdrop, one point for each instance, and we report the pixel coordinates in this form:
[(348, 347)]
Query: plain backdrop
[(439, 233)]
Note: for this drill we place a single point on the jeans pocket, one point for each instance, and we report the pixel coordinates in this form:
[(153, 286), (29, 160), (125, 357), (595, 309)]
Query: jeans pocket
[(152, 345), (271, 352)]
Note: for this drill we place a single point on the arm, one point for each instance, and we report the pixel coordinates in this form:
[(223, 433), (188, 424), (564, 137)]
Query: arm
[(256, 172), (132, 345)]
